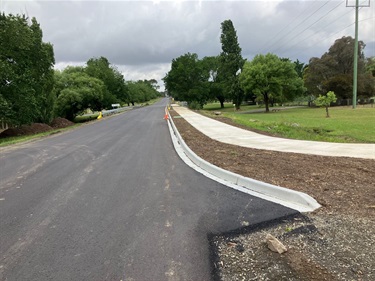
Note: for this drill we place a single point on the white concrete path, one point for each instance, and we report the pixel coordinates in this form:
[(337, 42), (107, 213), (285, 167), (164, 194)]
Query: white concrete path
[(232, 135)]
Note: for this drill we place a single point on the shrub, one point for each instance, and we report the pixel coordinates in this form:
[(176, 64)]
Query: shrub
[(195, 105)]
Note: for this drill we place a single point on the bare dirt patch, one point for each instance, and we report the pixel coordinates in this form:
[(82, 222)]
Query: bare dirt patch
[(340, 246)]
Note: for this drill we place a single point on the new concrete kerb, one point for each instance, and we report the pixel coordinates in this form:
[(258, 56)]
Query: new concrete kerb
[(290, 198)]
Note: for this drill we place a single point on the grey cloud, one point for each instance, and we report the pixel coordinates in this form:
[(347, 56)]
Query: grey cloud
[(142, 34)]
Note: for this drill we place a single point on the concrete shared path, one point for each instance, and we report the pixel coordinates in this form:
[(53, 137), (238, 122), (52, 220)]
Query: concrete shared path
[(232, 135)]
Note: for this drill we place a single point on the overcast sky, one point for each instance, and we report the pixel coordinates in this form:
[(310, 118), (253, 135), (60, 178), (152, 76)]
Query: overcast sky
[(142, 37)]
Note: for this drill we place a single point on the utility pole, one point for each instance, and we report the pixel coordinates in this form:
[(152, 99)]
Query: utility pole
[(355, 63)]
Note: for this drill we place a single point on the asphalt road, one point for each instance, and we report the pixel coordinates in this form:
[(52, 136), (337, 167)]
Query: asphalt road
[(112, 200)]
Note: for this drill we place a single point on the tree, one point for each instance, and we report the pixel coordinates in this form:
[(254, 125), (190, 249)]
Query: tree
[(146, 90), (211, 68), (334, 71), (113, 80), (299, 67), (187, 80), (43, 73), (153, 83), (231, 63), (325, 101), (271, 78), (26, 71), (370, 66), (141, 91), (77, 91)]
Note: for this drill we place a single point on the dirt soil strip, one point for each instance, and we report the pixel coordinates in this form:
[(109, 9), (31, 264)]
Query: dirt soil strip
[(333, 243)]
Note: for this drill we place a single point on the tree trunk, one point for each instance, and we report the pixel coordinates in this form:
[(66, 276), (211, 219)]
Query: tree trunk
[(238, 105), (238, 99), (327, 112), (221, 100), (266, 102)]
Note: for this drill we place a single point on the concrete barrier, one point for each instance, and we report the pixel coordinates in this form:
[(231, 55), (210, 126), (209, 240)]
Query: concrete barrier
[(290, 198)]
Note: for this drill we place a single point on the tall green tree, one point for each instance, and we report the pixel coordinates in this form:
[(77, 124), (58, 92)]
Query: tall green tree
[(116, 90), (153, 83), (141, 91), (231, 62), (299, 67), (211, 67), (370, 66), (187, 80), (334, 71), (269, 77), (26, 71)]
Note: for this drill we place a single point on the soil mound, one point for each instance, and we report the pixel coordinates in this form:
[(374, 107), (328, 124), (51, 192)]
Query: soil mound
[(34, 128), (59, 123)]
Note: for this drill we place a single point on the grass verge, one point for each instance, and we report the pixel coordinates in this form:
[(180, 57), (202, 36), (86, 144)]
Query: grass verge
[(346, 125)]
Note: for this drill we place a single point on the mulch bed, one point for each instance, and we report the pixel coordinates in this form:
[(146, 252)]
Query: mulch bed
[(339, 184), (341, 248)]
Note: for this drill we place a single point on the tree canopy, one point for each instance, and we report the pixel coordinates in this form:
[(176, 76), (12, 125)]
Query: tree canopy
[(31, 91), (76, 91), (26, 71), (188, 79), (334, 71), (141, 91), (231, 62), (214, 87), (271, 78), (213, 77), (325, 101), (115, 87)]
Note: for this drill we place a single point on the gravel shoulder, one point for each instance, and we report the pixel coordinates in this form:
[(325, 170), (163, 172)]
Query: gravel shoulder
[(333, 243)]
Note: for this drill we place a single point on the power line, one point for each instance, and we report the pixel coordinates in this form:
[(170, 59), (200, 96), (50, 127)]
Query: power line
[(334, 34), (300, 23), (326, 26), (312, 25), (285, 27), (334, 8), (336, 19)]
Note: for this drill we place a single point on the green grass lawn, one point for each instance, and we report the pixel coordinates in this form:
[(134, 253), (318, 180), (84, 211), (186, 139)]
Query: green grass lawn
[(344, 125), (228, 107)]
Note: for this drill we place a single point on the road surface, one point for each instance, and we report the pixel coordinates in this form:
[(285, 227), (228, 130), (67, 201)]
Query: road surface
[(112, 200)]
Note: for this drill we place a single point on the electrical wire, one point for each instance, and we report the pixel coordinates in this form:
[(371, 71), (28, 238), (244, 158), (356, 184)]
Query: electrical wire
[(309, 36), (280, 33), (297, 25), (289, 47), (334, 34), (295, 36)]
